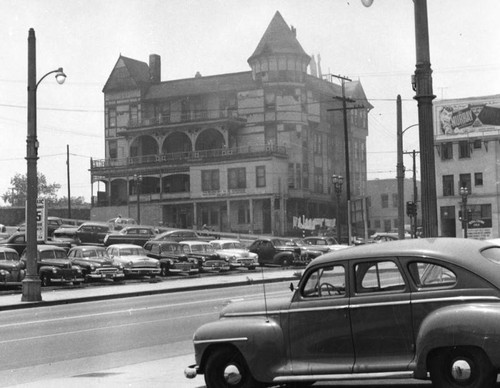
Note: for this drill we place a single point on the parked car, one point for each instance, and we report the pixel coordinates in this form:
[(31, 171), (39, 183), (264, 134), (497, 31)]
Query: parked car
[(136, 234), (276, 251), (54, 266), (307, 251), (179, 235), (172, 258), (134, 260), (235, 253), (18, 242), (411, 308), (325, 244), (204, 253), (92, 232), (95, 263), (12, 270)]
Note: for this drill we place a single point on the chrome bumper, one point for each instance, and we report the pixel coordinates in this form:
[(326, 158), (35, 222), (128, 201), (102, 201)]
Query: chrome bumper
[(191, 371)]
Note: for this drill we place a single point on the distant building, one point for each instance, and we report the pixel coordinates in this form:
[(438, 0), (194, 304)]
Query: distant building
[(466, 137), (241, 152), (383, 204)]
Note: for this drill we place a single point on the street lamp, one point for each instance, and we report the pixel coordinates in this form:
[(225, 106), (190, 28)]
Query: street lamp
[(422, 85), (32, 291), (138, 182), (464, 193), (338, 181)]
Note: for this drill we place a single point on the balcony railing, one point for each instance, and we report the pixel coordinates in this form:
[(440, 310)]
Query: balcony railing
[(193, 156), (184, 117)]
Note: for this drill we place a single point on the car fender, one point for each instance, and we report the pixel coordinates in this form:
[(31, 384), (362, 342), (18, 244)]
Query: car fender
[(259, 339), (47, 268), (280, 255), (459, 325)]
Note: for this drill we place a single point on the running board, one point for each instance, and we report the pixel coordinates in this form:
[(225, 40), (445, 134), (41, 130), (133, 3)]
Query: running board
[(346, 376)]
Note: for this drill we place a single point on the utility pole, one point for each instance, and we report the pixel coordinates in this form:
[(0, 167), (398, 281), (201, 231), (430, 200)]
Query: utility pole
[(69, 184), (344, 109), (415, 191), (400, 171)]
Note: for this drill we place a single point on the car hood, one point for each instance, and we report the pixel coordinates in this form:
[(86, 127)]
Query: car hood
[(271, 306), (236, 252), (135, 259), (56, 262), (8, 265)]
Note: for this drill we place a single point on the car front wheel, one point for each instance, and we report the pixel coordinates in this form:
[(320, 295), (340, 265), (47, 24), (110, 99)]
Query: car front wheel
[(227, 368), (462, 368), (45, 280)]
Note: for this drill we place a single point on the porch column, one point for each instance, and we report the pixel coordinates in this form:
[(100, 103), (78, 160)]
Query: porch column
[(250, 206)]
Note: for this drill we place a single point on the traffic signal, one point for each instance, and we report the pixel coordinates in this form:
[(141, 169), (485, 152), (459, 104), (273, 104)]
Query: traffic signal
[(411, 209)]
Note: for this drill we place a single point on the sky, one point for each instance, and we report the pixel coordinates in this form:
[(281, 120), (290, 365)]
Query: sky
[(375, 45)]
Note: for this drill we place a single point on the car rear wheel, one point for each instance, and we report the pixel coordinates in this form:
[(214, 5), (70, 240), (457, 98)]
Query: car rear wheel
[(462, 368), (227, 368)]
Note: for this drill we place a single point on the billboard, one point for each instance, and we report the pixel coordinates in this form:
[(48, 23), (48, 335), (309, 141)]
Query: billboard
[(477, 116)]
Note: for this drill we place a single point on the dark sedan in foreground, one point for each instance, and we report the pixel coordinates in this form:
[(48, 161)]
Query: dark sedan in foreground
[(408, 309)]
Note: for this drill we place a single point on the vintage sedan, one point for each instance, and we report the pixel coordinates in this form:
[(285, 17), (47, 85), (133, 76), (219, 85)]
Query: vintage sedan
[(234, 252), (54, 266), (172, 258), (204, 253), (136, 234), (12, 270), (95, 263), (134, 260), (92, 232), (411, 308), (325, 244), (277, 251)]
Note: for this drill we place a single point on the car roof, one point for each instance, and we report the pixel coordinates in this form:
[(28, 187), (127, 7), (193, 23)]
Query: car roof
[(5, 249), (124, 246), (99, 223), (48, 247), (225, 240), (448, 249), (87, 248), (195, 242)]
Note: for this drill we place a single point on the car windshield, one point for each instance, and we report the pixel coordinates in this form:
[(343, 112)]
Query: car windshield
[(52, 254), (281, 242), (131, 251), (10, 256), (171, 248), (100, 253), (200, 248), (232, 245), (492, 254)]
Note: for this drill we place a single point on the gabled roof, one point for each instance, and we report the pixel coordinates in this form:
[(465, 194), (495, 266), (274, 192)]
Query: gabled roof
[(278, 39), (355, 91), (128, 73), (201, 85)]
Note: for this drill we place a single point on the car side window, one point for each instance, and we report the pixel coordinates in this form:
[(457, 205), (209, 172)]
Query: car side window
[(378, 276), (325, 282), (429, 275)]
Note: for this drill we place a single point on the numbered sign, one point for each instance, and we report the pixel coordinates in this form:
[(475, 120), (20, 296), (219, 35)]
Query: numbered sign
[(41, 220)]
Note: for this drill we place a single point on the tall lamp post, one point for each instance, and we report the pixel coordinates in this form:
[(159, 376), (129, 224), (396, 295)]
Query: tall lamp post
[(138, 182), (32, 291), (422, 85), (464, 193), (338, 181)]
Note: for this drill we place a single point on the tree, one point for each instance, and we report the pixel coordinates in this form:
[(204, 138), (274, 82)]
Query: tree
[(17, 194)]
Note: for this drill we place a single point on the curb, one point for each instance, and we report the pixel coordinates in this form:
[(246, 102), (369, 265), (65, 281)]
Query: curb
[(70, 300)]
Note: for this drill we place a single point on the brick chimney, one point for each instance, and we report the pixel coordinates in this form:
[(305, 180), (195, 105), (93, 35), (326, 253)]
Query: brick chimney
[(155, 68)]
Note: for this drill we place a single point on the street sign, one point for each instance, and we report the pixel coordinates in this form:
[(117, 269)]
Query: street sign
[(41, 220)]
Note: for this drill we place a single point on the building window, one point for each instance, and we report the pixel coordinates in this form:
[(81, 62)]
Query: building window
[(305, 176), (387, 225), (134, 115), (112, 117), (376, 224), (463, 149), (298, 173), (395, 200), (113, 149), (270, 102), (448, 186), (237, 178), (291, 176), (260, 176), (317, 143), (384, 198), (243, 214), (270, 135), (210, 180), (318, 180), (446, 151), (465, 181), (477, 144), (478, 179)]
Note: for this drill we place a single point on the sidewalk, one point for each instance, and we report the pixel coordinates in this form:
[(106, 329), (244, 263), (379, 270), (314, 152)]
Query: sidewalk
[(154, 286)]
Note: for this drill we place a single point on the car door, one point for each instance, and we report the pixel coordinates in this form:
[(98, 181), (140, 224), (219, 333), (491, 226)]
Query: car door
[(319, 326), (380, 314)]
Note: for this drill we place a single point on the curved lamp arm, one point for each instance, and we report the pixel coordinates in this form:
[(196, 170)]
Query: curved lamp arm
[(60, 77)]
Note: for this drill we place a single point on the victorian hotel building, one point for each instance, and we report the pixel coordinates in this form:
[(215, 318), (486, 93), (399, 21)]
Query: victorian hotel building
[(247, 152), (467, 140)]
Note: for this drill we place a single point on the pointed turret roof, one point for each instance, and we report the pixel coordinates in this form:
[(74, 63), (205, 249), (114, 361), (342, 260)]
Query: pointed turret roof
[(128, 73), (278, 39)]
